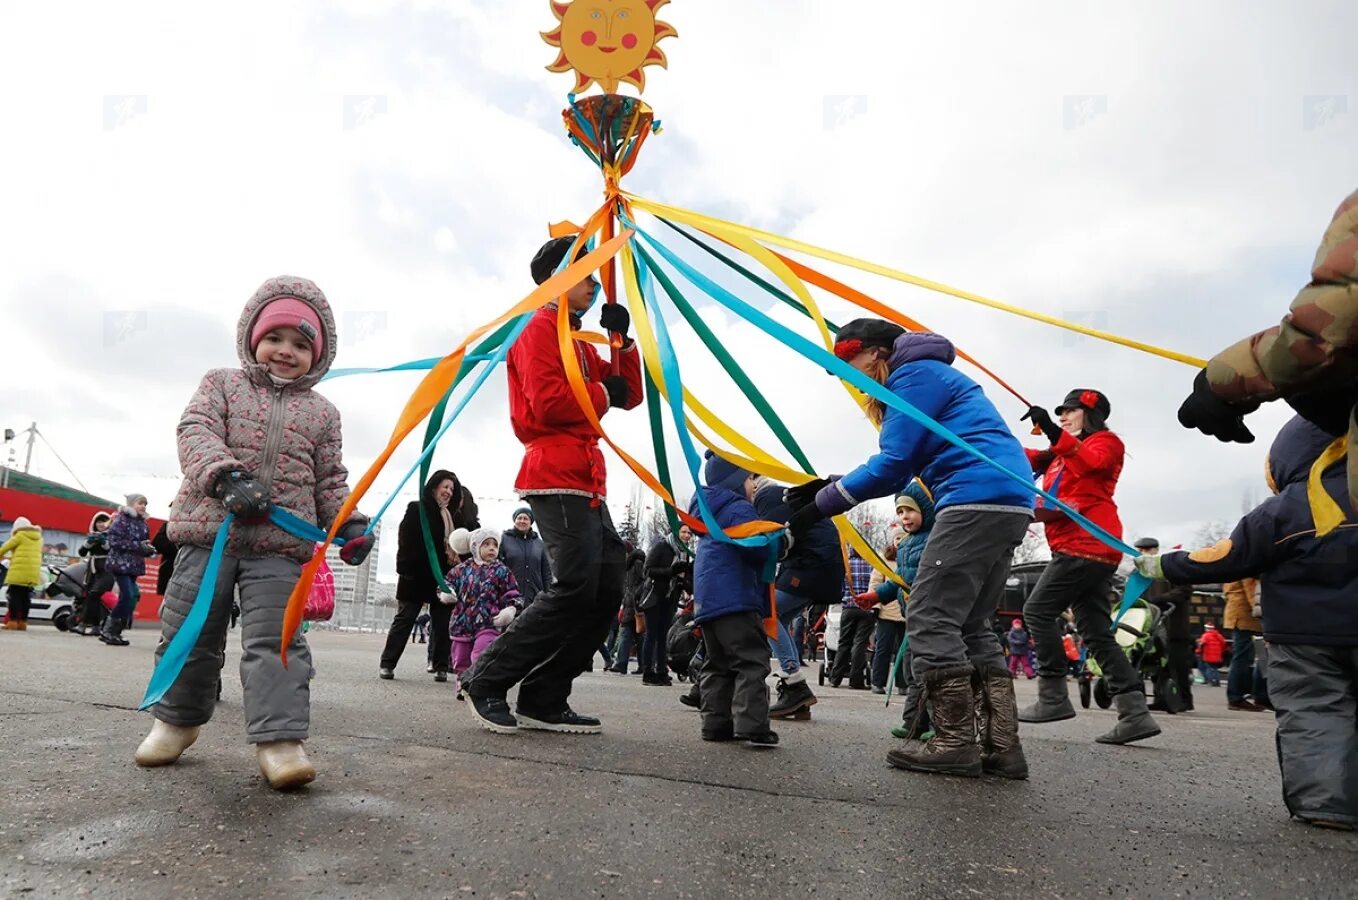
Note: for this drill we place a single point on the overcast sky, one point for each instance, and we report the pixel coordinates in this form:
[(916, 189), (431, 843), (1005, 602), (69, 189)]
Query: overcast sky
[(1160, 170)]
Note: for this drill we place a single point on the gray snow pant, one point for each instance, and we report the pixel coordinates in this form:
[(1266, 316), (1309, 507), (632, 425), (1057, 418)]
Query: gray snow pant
[(735, 665), (1315, 692), (277, 700), (960, 582)]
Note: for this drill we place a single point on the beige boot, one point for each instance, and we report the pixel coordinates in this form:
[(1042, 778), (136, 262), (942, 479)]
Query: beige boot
[(284, 764), (165, 744)]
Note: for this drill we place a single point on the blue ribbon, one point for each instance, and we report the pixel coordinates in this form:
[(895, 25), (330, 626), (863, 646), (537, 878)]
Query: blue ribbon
[(414, 365), (1136, 583)]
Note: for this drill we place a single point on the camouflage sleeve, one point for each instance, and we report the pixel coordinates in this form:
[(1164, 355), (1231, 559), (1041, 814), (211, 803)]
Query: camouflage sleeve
[(1317, 341)]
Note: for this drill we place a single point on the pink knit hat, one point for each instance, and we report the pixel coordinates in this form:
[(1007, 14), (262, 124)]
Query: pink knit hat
[(289, 312)]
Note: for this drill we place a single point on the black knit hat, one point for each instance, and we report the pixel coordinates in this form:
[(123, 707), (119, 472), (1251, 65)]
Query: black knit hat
[(864, 334), (550, 255)]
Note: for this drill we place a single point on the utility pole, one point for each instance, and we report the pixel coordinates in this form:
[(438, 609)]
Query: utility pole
[(32, 437)]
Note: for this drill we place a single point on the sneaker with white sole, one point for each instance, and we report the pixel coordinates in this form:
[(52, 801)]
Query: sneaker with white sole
[(492, 714), (567, 721)]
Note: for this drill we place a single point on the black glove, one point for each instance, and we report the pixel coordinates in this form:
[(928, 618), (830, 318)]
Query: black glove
[(147, 548), (1043, 420), (357, 545), (803, 519), (615, 318), (242, 496), (803, 494), (1211, 415), (616, 386)]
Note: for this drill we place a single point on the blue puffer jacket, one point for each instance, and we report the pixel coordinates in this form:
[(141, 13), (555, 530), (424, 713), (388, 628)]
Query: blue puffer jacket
[(728, 578), (814, 567), (1308, 585), (912, 548), (922, 374)]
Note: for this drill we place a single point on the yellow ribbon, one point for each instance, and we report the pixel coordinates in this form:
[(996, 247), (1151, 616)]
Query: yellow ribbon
[(1327, 514)]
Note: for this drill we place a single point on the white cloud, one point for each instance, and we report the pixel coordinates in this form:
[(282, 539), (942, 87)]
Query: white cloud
[(407, 156)]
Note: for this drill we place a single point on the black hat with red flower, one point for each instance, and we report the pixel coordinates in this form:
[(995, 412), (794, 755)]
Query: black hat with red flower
[(1094, 403)]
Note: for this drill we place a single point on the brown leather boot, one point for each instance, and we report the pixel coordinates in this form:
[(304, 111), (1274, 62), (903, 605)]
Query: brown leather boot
[(997, 714), (953, 749)]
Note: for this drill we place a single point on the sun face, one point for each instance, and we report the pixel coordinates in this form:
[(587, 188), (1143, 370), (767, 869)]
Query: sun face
[(608, 41)]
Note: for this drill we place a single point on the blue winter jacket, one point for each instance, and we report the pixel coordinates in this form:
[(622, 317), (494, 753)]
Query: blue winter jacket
[(912, 548), (728, 578), (814, 567), (1308, 585), (922, 374)]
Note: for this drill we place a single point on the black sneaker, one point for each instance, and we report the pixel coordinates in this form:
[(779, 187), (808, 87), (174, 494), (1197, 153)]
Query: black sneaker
[(719, 735), (759, 739), (691, 698), (386, 674), (568, 721), (493, 714)]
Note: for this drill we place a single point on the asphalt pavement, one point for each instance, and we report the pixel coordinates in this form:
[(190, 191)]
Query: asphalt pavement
[(413, 800)]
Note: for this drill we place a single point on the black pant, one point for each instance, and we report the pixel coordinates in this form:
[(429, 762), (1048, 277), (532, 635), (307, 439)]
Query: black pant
[(19, 597), (554, 639), (440, 643), (851, 657), (1181, 669), (655, 643), (1085, 587), (884, 648)]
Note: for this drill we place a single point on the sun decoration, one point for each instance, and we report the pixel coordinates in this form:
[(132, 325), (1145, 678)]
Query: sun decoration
[(608, 41)]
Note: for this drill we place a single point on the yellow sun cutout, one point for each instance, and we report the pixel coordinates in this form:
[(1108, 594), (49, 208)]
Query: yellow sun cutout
[(608, 41)]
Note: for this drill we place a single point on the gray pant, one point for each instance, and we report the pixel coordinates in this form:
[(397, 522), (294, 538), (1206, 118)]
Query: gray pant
[(1086, 588), (960, 582), (277, 700), (732, 681), (1315, 691)]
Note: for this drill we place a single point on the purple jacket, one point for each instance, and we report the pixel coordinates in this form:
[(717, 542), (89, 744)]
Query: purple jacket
[(483, 589), (286, 436), (125, 536)]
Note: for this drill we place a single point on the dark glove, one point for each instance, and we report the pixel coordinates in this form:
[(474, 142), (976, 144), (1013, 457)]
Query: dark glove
[(357, 545), (1211, 415), (804, 518), (803, 494), (616, 386), (147, 548), (1043, 420), (242, 496), (615, 318)]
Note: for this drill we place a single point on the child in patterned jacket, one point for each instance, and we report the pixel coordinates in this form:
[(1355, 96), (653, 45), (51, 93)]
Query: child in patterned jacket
[(485, 599)]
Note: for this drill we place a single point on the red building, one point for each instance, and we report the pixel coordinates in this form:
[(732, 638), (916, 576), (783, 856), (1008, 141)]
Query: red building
[(64, 513)]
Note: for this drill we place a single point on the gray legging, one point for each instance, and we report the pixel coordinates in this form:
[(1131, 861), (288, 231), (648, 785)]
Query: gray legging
[(1085, 587)]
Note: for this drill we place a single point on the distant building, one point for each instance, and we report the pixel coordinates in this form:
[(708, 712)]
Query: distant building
[(358, 595)]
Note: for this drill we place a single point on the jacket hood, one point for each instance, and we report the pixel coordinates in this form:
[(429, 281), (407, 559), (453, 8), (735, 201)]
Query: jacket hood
[(479, 537), (94, 520), (914, 346), (22, 524), (301, 289), (1295, 449), (920, 494), (1337, 259)]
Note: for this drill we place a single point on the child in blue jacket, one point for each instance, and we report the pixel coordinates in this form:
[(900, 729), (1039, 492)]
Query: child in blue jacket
[(1309, 592), (730, 603)]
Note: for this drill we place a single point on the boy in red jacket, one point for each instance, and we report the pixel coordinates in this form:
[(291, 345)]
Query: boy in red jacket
[(1211, 652), (563, 480)]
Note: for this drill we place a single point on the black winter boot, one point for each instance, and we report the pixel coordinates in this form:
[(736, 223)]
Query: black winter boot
[(112, 633), (953, 749), (1134, 720), (1053, 702), (794, 701)]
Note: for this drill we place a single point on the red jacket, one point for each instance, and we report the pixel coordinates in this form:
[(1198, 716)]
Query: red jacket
[(1212, 647), (561, 448), (1083, 474)]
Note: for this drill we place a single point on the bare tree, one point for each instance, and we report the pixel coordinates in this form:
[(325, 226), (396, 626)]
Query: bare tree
[(1210, 534), (873, 520), (1033, 548)]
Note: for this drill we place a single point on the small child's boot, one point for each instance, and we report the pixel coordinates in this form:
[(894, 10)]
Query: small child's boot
[(284, 764), (165, 744)]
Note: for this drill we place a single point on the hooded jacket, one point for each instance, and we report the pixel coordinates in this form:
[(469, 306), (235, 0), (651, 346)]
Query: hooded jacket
[(1310, 357), (728, 578), (814, 567), (1308, 585), (128, 543), (633, 582), (25, 542), (95, 548), (482, 589), (526, 555), (1212, 647), (416, 581), (921, 373), (911, 550), (669, 568), (560, 447), (287, 437), (1083, 474)]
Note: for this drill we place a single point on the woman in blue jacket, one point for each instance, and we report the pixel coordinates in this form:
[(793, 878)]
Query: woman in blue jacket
[(982, 516)]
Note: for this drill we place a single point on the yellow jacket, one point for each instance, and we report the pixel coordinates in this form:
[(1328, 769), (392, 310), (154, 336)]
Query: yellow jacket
[(26, 545), (1240, 606)]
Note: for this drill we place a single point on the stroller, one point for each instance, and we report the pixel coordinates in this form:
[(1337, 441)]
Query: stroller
[(680, 645), (1142, 635), (75, 582)]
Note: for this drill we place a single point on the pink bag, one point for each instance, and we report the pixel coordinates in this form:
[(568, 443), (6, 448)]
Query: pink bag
[(320, 602)]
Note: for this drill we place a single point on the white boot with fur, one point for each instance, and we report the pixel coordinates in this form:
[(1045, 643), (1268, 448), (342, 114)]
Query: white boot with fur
[(165, 744), (284, 764)]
